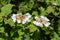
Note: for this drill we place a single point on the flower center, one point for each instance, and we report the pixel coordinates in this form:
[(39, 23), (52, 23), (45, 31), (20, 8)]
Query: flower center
[(41, 20), (20, 17)]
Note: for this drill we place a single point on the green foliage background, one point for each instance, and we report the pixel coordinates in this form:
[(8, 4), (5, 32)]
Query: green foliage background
[(14, 31)]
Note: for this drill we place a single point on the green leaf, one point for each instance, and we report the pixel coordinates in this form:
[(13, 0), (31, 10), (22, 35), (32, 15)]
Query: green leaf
[(10, 22), (1, 39), (58, 2), (6, 10), (56, 14), (35, 13), (12, 33), (31, 4), (48, 2), (0, 18), (59, 26), (55, 36), (26, 6), (43, 12), (1, 29), (32, 28), (27, 37), (6, 34), (50, 9), (19, 38), (0, 22), (20, 32)]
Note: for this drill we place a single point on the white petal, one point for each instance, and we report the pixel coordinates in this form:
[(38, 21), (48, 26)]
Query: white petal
[(47, 24), (35, 23), (41, 25), (20, 13), (45, 18), (38, 24), (28, 20), (14, 20), (13, 16), (28, 15), (42, 17), (36, 17), (17, 14), (19, 21), (24, 21)]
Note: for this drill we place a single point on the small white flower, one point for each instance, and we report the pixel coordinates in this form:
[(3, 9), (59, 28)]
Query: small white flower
[(41, 21), (20, 18)]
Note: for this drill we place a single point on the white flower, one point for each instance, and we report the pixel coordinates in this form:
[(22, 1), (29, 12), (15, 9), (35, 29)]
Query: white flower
[(41, 21), (20, 18)]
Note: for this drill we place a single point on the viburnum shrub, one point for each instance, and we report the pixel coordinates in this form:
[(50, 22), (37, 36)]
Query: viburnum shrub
[(29, 19)]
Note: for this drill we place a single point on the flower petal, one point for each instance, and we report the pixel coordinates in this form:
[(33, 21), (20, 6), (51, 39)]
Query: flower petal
[(47, 24), (19, 21), (24, 21), (42, 17), (45, 18), (28, 20), (28, 15), (13, 16), (36, 17), (14, 20), (18, 14), (41, 25), (38, 24)]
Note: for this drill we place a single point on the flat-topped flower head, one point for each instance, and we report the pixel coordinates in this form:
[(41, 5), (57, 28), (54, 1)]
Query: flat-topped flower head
[(41, 21), (20, 18)]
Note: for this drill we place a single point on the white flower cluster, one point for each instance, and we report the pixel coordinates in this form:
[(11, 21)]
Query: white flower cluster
[(20, 18), (41, 21)]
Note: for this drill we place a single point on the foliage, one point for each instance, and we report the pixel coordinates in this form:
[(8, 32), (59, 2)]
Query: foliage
[(10, 30)]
